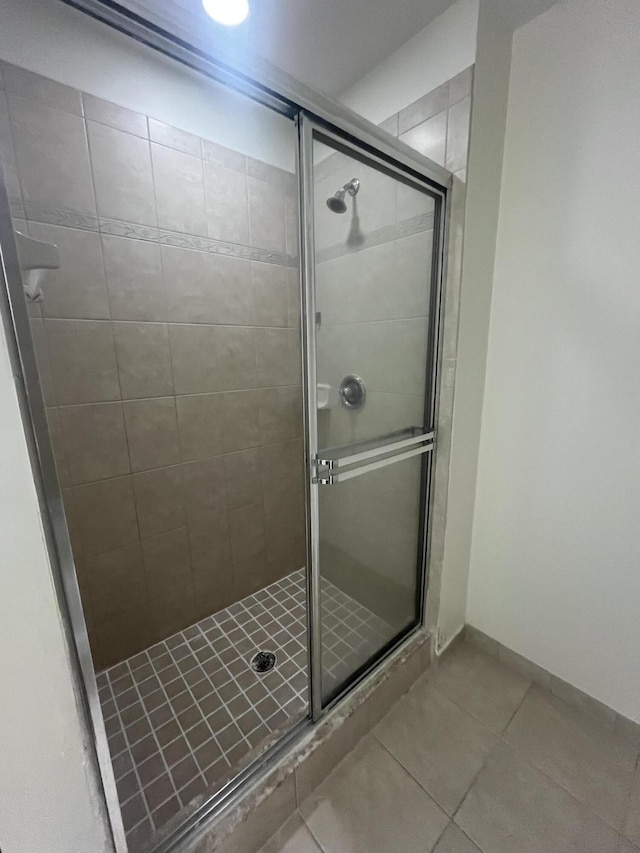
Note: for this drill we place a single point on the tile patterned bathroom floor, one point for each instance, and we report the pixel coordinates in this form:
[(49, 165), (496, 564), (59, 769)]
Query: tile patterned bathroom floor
[(185, 715), (476, 759)]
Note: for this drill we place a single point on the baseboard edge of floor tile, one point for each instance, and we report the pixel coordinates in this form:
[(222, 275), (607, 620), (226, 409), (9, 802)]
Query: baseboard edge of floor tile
[(562, 689)]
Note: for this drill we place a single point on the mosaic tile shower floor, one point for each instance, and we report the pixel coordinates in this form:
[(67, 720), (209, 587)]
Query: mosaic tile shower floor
[(187, 714)]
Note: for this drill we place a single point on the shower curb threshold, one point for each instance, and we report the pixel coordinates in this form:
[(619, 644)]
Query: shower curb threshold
[(257, 810)]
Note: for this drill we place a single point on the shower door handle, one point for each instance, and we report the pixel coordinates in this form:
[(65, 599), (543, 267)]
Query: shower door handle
[(329, 478), (336, 466), (342, 457)]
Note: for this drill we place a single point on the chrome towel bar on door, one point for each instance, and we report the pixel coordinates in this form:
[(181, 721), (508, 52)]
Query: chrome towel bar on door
[(340, 465), (329, 479), (344, 457)]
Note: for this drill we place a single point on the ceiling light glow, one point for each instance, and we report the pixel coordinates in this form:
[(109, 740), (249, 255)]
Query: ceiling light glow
[(230, 13)]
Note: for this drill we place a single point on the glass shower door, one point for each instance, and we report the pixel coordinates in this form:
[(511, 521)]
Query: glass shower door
[(372, 322)]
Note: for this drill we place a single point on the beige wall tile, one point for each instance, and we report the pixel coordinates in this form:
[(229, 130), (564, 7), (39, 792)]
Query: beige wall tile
[(175, 138), (195, 359), (122, 174), (78, 289), (355, 288), (83, 361), (211, 561), (200, 422), (283, 468), (113, 115), (7, 152), (43, 360), (265, 172), (390, 357), (231, 290), (128, 632), (95, 442), (104, 515), (240, 421), (221, 156), (285, 532), (152, 433), (243, 478), (159, 501), (280, 414), (53, 156), (251, 574), (116, 582), (424, 108), (179, 185), (270, 288), (460, 86), (19, 81), (144, 359), (59, 453), (390, 125), (291, 222), (273, 357), (429, 138), (412, 203), (266, 215), (246, 528), (167, 563), (172, 611), (134, 279), (458, 135), (236, 357), (204, 488), (188, 284), (227, 204), (293, 296)]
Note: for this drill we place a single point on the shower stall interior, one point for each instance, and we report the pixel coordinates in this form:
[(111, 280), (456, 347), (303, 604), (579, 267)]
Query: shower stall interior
[(240, 407)]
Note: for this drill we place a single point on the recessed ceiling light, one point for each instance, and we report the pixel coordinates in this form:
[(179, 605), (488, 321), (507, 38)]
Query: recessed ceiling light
[(230, 13)]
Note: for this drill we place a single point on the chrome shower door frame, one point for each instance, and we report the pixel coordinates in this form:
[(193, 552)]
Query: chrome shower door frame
[(281, 93), (308, 127)]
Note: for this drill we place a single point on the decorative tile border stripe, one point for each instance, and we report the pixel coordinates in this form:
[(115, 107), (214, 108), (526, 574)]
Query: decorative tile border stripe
[(135, 231), (116, 228), (385, 235), (57, 216)]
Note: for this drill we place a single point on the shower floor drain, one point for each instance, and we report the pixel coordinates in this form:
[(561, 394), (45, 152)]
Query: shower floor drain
[(263, 662)]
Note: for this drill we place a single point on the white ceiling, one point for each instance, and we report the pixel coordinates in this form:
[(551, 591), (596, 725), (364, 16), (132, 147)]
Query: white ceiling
[(327, 44)]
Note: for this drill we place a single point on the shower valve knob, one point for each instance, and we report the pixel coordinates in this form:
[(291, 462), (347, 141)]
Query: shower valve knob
[(353, 392)]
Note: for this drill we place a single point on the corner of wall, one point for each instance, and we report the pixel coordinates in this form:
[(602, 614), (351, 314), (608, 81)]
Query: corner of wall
[(488, 123)]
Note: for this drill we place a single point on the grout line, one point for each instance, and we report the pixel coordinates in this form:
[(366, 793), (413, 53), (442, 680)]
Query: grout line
[(252, 612), (153, 734)]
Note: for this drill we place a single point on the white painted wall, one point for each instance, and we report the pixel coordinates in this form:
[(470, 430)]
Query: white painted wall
[(434, 55), (491, 84), (555, 568), (52, 39), (48, 790)]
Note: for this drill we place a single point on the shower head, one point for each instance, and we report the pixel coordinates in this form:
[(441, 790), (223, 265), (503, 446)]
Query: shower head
[(336, 202)]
